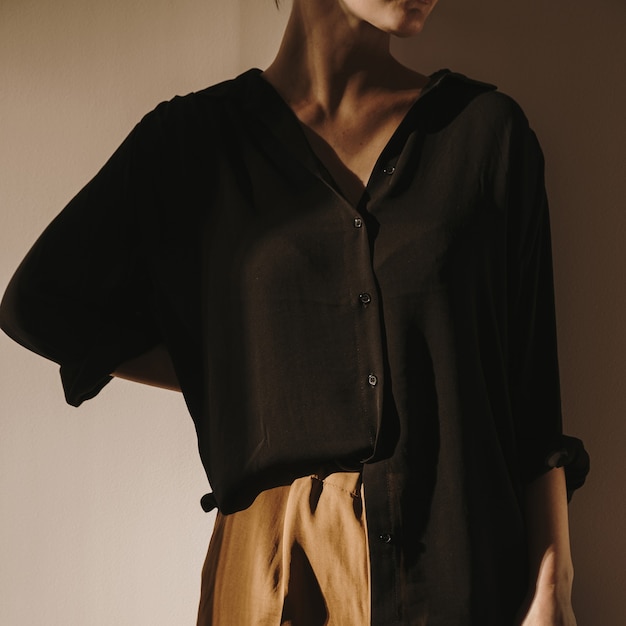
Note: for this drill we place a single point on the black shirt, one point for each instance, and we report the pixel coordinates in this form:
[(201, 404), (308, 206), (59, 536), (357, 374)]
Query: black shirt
[(412, 335)]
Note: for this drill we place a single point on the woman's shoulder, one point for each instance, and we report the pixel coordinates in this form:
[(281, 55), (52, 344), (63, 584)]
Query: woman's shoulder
[(476, 102), (191, 118), (219, 98)]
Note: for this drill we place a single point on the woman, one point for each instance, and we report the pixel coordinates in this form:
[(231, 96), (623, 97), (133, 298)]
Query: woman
[(345, 267)]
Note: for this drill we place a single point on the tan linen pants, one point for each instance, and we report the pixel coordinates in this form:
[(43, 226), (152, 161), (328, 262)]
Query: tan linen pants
[(297, 556)]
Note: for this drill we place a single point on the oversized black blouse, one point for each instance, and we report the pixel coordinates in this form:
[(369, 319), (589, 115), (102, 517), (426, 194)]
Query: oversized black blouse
[(412, 335)]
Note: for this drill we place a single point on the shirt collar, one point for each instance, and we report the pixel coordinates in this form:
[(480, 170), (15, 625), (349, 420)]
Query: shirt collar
[(280, 128)]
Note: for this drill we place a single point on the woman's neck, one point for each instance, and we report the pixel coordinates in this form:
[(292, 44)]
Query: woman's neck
[(328, 58)]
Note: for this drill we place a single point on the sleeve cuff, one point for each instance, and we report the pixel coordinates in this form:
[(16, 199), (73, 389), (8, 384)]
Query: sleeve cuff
[(574, 458), (84, 379)]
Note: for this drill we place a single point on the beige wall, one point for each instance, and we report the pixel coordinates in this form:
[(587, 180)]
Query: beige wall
[(100, 522), (100, 517)]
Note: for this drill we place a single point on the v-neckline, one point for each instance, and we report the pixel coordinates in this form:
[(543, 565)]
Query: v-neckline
[(283, 122)]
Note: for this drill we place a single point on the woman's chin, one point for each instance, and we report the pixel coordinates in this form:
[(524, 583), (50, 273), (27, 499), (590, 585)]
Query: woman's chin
[(406, 30)]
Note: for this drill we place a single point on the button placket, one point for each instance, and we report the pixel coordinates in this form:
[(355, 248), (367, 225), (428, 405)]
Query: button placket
[(367, 319)]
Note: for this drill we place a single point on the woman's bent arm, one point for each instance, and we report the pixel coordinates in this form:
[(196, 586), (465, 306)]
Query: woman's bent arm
[(150, 368)]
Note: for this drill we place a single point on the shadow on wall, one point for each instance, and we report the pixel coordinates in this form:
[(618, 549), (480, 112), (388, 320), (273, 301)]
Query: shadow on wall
[(562, 63)]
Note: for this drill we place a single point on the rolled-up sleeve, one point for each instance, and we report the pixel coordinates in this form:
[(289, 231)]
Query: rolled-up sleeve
[(82, 296), (534, 370)]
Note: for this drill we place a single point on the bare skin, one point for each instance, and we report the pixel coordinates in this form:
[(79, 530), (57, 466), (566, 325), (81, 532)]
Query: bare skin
[(551, 570), (338, 76), (334, 69), (154, 368)]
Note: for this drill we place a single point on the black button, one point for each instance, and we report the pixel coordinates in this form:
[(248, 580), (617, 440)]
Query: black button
[(389, 170), (372, 379), (358, 222), (365, 298), (385, 538)]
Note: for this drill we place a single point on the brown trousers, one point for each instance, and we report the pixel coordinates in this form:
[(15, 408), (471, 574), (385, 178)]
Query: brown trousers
[(297, 556)]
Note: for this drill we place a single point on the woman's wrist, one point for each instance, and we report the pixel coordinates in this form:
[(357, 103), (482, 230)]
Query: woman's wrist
[(549, 599), (556, 572)]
